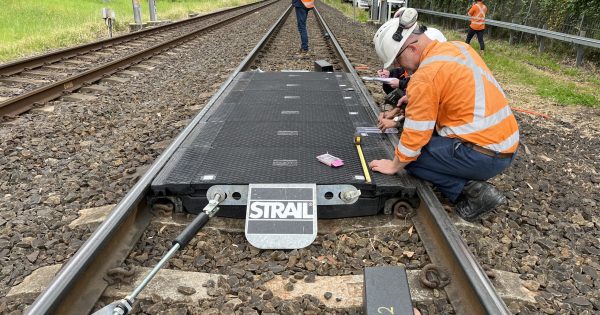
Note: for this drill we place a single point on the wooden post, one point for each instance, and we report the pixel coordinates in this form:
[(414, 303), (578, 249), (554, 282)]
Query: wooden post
[(541, 48), (580, 48)]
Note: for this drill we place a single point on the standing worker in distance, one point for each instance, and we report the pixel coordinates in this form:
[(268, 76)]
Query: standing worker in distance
[(459, 130), (477, 14), (302, 7)]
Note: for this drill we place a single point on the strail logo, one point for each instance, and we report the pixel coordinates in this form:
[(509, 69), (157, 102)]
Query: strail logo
[(280, 210)]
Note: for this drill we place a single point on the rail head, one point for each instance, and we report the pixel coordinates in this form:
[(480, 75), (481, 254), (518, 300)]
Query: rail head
[(67, 277), (37, 61), (471, 289)]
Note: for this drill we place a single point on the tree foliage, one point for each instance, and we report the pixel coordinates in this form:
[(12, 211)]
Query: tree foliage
[(567, 16)]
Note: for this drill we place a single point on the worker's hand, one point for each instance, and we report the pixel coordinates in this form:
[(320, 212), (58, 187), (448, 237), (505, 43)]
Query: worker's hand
[(403, 100), (388, 167), (390, 113), (395, 83), (384, 124), (383, 73)]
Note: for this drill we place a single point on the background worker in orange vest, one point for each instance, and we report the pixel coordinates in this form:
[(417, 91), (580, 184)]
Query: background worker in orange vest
[(459, 130), (302, 7), (477, 14)]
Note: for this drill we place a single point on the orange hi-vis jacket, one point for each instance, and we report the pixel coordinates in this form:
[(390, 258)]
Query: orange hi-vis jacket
[(454, 91), (309, 4), (477, 14)]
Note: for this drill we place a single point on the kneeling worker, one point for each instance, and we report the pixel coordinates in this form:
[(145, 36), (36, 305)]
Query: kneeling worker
[(453, 91), (394, 117)]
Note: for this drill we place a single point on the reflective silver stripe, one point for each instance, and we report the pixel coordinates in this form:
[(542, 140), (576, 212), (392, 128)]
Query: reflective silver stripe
[(481, 13), (492, 80), (506, 144), (480, 122), (478, 72), (442, 58), (482, 71), (479, 125), (408, 152), (420, 125), (479, 110), (480, 17)]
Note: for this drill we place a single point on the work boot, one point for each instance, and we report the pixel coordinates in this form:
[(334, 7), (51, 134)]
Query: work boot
[(478, 198)]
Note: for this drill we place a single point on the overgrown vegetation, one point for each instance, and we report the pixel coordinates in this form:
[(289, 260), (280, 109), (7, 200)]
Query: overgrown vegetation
[(576, 17), (565, 16), (546, 73), (31, 26)]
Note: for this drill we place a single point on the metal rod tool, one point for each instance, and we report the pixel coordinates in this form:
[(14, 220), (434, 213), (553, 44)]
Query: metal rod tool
[(124, 306)]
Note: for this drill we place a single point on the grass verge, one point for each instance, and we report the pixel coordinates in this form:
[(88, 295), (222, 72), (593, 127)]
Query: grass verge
[(33, 26), (549, 77), (545, 73), (346, 8)]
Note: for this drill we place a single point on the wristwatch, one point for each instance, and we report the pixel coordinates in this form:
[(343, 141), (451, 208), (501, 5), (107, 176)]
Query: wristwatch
[(397, 118)]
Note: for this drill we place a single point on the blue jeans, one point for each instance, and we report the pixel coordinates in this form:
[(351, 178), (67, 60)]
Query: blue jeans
[(301, 16), (449, 165)]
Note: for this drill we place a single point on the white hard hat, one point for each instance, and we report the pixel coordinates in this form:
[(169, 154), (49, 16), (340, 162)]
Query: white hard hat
[(399, 12), (435, 34), (393, 34)]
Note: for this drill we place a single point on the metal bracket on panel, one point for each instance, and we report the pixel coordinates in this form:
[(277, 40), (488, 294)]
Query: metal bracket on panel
[(337, 194), (237, 195)]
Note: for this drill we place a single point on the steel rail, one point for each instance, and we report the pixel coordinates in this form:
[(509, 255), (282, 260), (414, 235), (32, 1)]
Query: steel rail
[(470, 291), (45, 59), (70, 291), (573, 39), (46, 93), (71, 275)]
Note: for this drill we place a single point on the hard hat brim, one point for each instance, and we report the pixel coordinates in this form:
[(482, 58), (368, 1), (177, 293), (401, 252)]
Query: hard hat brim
[(405, 34)]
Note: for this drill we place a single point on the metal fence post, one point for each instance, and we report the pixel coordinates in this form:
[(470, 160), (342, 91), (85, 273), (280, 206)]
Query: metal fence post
[(137, 11), (580, 48), (152, 9), (541, 39), (511, 39)]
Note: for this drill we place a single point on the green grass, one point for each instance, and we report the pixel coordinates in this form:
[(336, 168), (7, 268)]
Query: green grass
[(545, 73), (33, 26), (521, 64), (347, 9)]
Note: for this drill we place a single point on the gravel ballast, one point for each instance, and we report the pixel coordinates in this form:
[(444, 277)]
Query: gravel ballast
[(88, 154)]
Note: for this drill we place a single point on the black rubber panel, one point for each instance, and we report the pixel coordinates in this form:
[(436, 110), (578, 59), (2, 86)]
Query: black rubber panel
[(268, 128)]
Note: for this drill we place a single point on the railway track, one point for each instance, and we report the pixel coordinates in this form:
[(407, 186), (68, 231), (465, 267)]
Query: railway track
[(124, 236), (34, 81)]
